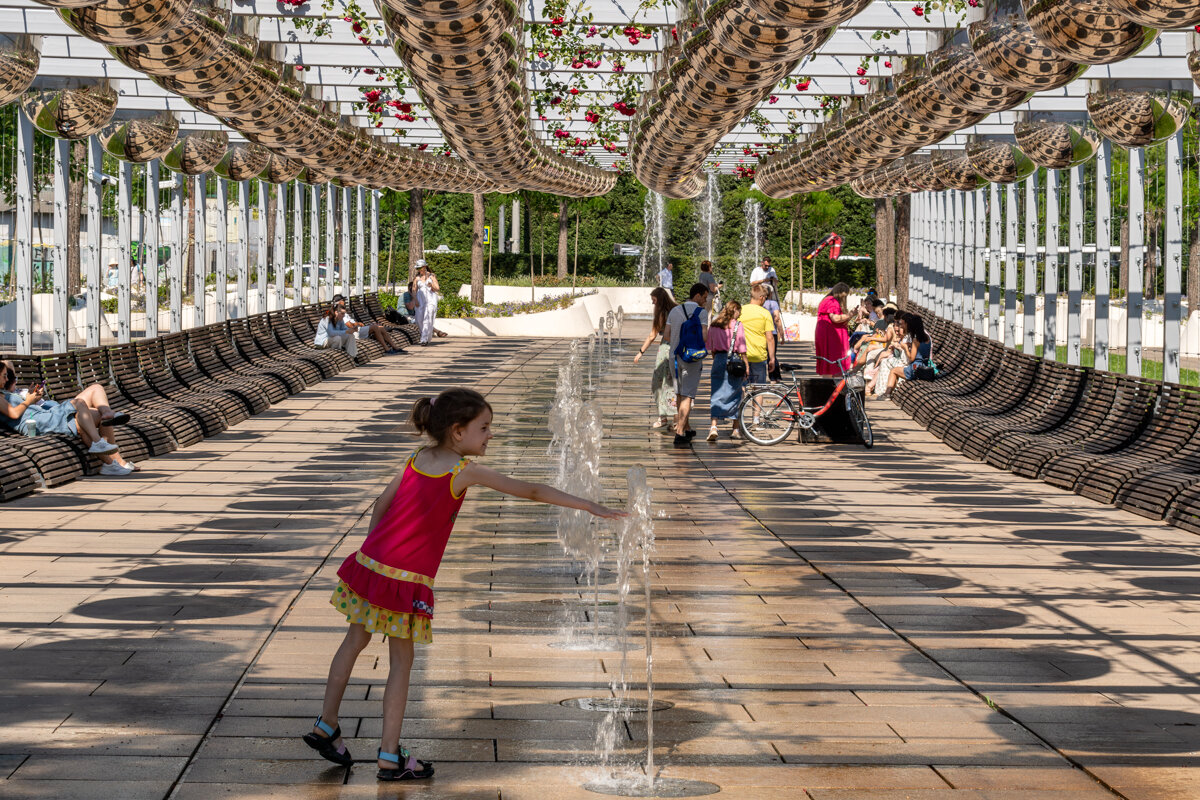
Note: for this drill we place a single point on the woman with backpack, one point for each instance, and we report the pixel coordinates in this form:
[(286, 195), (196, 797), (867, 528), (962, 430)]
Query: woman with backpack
[(687, 323), (662, 384)]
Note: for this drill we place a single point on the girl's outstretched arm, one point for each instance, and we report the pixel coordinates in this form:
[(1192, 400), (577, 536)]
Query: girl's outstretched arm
[(473, 474)]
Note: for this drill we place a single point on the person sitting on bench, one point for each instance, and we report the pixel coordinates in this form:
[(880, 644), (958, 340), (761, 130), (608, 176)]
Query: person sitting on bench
[(364, 330)]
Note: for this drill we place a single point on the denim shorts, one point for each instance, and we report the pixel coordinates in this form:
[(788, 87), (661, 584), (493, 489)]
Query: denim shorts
[(757, 372)]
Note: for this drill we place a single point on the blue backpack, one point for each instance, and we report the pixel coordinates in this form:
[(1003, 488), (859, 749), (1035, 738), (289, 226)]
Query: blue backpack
[(690, 346)]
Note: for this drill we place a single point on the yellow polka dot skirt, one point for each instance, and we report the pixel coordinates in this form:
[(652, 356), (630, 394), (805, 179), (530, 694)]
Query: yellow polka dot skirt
[(380, 620)]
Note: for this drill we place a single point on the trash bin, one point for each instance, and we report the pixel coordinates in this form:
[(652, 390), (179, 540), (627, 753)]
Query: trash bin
[(834, 425)]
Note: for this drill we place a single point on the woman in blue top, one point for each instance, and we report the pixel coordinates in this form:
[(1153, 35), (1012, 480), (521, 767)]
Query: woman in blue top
[(87, 416), (918, 347)]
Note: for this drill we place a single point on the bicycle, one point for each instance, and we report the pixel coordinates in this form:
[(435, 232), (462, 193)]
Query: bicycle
[(767, 414)]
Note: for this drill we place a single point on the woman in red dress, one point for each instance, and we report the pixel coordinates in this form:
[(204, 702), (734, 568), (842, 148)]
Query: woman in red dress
[(832, 335)]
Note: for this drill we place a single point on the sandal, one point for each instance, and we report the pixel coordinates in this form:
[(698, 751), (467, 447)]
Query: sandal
[(413, 770), (324, 744)]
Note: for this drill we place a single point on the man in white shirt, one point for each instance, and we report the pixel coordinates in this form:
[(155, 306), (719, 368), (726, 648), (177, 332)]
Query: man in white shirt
[(687, 379), (367, 330), (766, 276), (666, 277)]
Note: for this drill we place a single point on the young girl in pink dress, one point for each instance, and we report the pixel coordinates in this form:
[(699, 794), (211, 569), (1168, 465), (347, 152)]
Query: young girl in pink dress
[(387, 585)]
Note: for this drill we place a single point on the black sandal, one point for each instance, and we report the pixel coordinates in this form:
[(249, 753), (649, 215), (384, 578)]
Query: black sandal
[(324, 744), (412, 770)]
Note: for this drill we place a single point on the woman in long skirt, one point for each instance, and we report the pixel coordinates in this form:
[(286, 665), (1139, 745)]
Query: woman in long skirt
[(725, 336), (832, 338), (662, 384), (427, 288)]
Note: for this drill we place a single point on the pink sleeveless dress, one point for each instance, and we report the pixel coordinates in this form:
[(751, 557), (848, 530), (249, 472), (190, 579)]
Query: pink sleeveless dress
[(387, 585)]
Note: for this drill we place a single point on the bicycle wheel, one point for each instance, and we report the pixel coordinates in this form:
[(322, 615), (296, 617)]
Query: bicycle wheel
[(767, 416), (858, 416)]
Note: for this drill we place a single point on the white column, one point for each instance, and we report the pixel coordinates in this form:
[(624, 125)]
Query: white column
[(93, 254), (917, 226), (959, 280), (331, 263), (23, 249), (1031, 261), (297, 243), (516, 224), (344, 254), (374, 241), (1074, 265), (1173, 259), (175, 265), (260, 261), (124, 248), (314, 243), (242, 265), (1050, 275), (360, 241), (200, 251), (1103, 250), (279, 245), (980, 326), (150, 249), (1134, 299), (1010, 266), (994, 265), (62, 167), (222, 232)]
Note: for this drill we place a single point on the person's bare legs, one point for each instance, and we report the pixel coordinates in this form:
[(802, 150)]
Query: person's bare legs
[(340, 668), (685, 411), (395, 697), (95, 397), (894, 377), (380, 335)]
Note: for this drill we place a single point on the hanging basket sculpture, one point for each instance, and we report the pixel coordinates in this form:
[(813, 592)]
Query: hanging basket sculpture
[(963, 80), (999, 162), (19, 63), (194, 41), (280, 170), (919, 172), (1136, 119), (126, 22), (312, 177), (72, 112), (1193, 61), (1008, 49), (140, 139), (1056, 145), (814, 14), (953, 169), (197, 152), (1163, 14), (1086, 31), (922, 101), (242, 162)]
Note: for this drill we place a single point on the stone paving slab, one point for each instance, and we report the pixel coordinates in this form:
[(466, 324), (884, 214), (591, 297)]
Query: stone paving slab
[(821, 631)]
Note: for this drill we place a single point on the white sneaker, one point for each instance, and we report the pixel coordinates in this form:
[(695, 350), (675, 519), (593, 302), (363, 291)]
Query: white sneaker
[(115, 469), (101, 446)]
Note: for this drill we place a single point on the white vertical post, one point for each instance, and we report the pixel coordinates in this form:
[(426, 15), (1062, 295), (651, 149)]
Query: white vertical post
[(1103, 251), (1010, 265), (242, 265), (222, 231), (175, 264), (918, 210), (1029, 304), (200, 252), (330, 245), (980, 326), (1134, 299), (1050, 276), (374, 241), (1075, 265), (994, 265), (260, 260), (124, 249), (313, 244), (1173, 259), (279, 245), (62, 168), (150, 249), (956, 220), (95, 271), (360, 241), (297, 243), (23, 251), (942, 261), (344, 254)]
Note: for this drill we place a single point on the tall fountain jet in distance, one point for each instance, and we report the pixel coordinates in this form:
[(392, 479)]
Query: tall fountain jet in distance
[(750, 253), (654, 244), (709, 217)]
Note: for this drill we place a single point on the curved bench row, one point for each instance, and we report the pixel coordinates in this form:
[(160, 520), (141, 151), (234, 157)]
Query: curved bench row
[(1131, 442), (180, 388)]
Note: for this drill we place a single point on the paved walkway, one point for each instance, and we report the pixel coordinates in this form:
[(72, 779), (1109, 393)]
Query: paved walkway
[(830, 622)]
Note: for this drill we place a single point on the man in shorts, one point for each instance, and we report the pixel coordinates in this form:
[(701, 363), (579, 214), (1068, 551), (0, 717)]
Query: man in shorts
[(759, 327), (687, 379)]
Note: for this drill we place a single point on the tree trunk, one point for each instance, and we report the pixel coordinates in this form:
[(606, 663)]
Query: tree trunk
[(563, 226), (416, 229), (900, 257), (477, 252), (1193, 273), (575, 267), (542, 235), (1123, 267), (78, 180), (1150, 274), (792, 253), (883, 224)]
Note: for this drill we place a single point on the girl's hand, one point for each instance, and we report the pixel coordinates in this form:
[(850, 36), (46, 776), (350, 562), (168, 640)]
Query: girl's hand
[(637, 358), (604, 511)]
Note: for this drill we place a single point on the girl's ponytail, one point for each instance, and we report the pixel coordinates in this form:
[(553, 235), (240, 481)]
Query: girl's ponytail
[(421, 411)]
